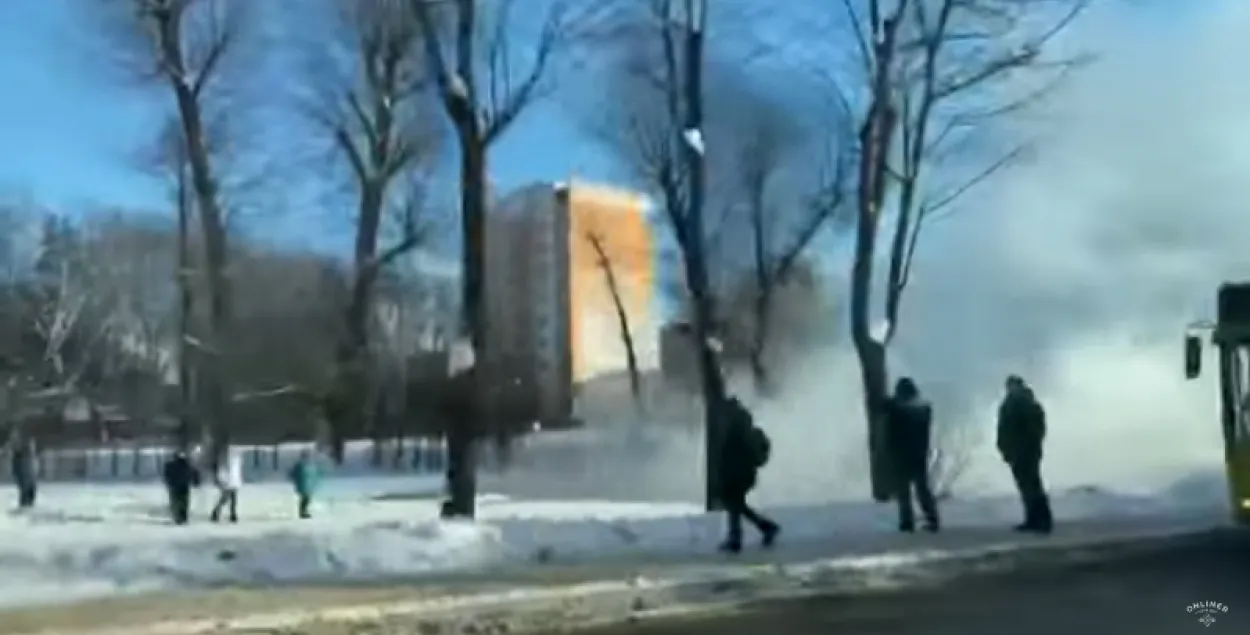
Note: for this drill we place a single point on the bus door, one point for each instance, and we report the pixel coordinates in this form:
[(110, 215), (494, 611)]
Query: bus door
[(1236, 417)]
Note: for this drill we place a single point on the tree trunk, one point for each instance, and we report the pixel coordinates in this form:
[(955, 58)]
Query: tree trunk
[(874, 375), (764, 281), (622, 320), (713, 383), (875, 140), (759, 337), (631, 360), (871, 353), (213, 374), (464, 432), (713, 388), (347, 407), (187, 432), (627, 340)]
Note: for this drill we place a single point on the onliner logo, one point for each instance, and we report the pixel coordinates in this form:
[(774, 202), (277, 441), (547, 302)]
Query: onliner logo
[(1206, 612)]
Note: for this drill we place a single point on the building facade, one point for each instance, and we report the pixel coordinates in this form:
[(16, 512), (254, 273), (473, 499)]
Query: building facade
[(552, 319)]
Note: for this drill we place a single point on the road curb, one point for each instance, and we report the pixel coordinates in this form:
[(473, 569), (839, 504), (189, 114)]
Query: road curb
[(612, 601)]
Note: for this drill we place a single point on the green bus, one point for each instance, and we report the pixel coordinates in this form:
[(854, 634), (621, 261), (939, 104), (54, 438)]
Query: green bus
[(1230, 335)]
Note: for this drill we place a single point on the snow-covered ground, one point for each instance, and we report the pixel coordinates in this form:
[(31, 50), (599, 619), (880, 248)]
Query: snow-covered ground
[(99, 539)]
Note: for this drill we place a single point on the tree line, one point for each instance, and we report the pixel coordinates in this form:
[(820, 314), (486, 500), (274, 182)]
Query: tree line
[(858, 129)]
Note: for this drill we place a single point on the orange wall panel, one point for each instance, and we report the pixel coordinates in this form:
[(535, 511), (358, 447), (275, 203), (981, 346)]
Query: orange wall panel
[(619, 220)]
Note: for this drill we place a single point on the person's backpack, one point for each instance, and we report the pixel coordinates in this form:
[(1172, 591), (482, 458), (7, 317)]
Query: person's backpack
[(761, 446)]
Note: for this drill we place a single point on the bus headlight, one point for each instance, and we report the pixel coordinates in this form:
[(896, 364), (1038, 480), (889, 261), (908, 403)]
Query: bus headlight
[(1245, 504)]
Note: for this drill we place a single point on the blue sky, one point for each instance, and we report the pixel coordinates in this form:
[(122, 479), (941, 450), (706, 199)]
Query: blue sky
[(71, 129)]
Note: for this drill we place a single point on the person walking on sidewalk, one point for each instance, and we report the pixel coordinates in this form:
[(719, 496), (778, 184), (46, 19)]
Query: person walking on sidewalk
[(180, 476), (229, 480), (305, 477), (24, 458), (744, 451), (1021, 434), (908, 425)]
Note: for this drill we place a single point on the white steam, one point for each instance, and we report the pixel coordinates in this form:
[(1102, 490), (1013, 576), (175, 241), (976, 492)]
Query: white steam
[(1078, 270)]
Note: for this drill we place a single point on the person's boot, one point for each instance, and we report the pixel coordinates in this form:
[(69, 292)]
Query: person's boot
[(769, 535), (1034, 527), (730, 546), (932, 526)]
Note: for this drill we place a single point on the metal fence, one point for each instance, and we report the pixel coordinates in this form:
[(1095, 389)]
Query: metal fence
[(260, 462)]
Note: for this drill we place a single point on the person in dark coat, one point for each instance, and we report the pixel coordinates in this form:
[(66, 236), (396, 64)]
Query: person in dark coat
[(908, 425), (24, 460), (180, 476), (744, 450), (1021, 433)]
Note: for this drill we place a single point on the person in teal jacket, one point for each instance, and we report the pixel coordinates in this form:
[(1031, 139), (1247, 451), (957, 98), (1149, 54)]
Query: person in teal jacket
[(306, 477)]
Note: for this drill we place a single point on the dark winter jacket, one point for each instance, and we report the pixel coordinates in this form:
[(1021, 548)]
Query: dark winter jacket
[(23, 461), (180, 475), (908, 425), (1021, 427), (738, 469)]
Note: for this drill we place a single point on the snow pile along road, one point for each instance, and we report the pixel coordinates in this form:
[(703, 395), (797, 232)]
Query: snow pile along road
[(92, 540)]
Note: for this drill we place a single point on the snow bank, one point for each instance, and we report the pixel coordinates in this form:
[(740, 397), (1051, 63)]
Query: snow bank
[(92, 540)]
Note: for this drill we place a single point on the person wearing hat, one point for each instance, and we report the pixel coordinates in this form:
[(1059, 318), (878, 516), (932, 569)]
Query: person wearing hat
[(1021, 434)]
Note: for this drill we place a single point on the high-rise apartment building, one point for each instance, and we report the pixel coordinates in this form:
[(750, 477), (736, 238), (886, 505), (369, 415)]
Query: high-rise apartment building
[(551, 317)]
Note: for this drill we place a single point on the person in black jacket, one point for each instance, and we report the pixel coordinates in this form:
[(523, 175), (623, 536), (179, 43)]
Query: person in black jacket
[(180, 476), (744, 450), (1021, 433), (24, 460), (908, 422)]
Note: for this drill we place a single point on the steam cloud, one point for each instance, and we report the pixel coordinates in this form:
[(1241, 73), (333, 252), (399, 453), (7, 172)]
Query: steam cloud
[(1081, 269), (1078, 270)]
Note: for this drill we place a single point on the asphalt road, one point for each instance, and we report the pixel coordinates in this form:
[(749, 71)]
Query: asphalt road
[(1148, 595)]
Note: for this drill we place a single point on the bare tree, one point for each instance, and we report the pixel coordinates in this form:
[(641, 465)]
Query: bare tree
[(767, 153), (17, 218), (606, 266), (287, 325), (187, 264), (482, 100), (370, 93), (134, 255), (798, 317), (950, 456), (71, 307), (936, 73), (167, 159), (186, 46), (656, 120)]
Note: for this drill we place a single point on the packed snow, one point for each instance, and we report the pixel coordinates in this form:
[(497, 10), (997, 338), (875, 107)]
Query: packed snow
[(86, 540), (694, 137)]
